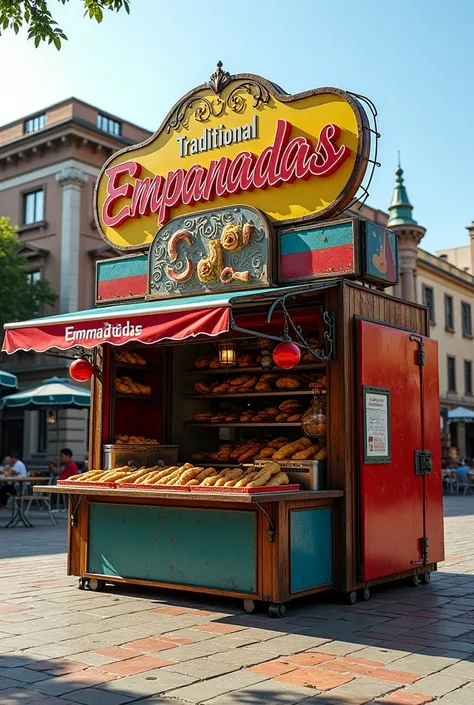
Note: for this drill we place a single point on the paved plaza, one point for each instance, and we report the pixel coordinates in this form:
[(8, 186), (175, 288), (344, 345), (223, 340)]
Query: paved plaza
[(58, 645)]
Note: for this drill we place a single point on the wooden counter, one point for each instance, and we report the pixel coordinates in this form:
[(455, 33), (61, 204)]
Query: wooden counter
[(272, 546)]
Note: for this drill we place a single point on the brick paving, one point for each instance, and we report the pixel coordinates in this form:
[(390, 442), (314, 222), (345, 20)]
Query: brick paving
[(60, 646)]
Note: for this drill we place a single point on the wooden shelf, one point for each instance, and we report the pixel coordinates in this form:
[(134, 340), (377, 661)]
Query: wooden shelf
[(246, 370), (130, 366), (244, 395), (140, 397), (263, 424)]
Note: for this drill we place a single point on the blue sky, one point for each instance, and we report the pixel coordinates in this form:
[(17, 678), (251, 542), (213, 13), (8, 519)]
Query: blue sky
[(413, 59)]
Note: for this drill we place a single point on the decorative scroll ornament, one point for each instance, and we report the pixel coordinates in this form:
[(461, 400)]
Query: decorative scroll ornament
[(204, 109), (219, 79)]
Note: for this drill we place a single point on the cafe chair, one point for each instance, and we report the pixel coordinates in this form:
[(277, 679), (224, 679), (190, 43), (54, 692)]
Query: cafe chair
[(43, 502), (462, 483)]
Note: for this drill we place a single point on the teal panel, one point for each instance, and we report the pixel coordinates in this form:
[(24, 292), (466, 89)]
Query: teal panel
[(199, 547), (119, 269), (311, 560), (318, 238)]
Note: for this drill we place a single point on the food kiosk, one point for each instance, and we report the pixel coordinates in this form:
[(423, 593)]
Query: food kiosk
[(264, 417)]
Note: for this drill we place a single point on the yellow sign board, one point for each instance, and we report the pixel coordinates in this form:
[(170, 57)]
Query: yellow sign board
[(237, 140)]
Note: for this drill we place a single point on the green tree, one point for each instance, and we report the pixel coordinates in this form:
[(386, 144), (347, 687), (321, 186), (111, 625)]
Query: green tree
[(41, 25), (20, 298)]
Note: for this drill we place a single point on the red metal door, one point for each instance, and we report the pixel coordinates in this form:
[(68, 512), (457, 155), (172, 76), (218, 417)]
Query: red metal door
[(398, 508)]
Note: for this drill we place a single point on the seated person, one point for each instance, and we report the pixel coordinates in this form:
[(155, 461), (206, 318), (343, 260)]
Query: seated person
[(68, 467), (15, 468), (462, 472)]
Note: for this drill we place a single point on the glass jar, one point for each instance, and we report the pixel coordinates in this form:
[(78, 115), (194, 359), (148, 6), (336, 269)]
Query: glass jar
[(314, 420)]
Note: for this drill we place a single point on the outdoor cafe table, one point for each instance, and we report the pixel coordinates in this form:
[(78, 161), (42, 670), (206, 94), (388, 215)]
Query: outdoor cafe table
[(18, 514)]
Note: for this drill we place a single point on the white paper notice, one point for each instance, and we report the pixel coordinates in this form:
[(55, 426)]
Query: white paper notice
[(376, 425)]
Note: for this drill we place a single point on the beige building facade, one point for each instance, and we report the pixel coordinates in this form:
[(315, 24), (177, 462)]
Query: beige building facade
[(49, 162)]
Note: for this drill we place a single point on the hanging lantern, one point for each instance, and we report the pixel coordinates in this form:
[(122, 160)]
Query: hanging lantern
[(286, 355), (227, 354), (81, 370), (51, 417)]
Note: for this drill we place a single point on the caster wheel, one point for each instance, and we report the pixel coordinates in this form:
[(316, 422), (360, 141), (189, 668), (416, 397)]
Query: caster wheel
[(416, 580), (96, 585), (366, 594), (351, 597), (276, 610), (83, 583), (249, 606), (426, 578)]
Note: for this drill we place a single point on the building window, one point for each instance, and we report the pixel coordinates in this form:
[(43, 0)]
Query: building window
[(34, 276), (468, 377), (33, 207), (42, 432), (108, 125), (466, 319), (448, 313), (35, 123), (451, 373), (428, 300)]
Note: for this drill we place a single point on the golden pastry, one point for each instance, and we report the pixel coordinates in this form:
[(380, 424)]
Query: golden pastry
[(277, 480), (201, 388), (306, 454), (214, 364), (249, 454), (232, 237), (321, 455), (209, 268), (246, 479), (290, 405), (294, 418), (261, 479), (288, 382), (202, 362), (265, 453), (240, 380), (263, 386)]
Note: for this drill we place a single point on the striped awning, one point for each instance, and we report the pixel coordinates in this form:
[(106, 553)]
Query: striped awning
[(147, 322)]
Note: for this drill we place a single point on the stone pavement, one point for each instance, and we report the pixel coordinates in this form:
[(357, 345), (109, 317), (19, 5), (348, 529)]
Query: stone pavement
[(59, 646)]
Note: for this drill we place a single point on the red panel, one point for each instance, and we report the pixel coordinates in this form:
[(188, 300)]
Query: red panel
[(432, 431), (329, 261), (122, 288), (391, 498)]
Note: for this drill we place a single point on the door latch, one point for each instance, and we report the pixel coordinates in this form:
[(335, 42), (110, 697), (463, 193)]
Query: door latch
[(423, 462)]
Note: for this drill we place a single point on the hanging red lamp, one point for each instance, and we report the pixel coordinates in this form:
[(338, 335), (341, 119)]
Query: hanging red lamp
[(81, 370), (286, 355)]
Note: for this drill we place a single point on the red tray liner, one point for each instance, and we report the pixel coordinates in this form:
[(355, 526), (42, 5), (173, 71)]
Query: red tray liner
[(68, 483), (245, 490), (169, 488)]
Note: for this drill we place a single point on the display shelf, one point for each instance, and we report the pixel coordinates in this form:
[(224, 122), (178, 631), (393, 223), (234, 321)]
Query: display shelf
[(245, 395), (254, 370), (141, 397), (130, 366), (263, 424)]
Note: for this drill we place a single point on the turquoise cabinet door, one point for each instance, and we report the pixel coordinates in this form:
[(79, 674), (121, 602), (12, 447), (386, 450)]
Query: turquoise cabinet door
[(311, 549), (205, 548)]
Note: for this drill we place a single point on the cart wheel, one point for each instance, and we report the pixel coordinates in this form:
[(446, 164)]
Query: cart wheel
[(366, 594), (249, 606), (351, 597), (276, 609), (96, 585), (416, 580), (426, 578), (83, 583)]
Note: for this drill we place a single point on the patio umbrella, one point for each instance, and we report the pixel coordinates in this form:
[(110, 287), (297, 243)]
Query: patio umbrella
[(55, 394), (8, 382), (460, 414)]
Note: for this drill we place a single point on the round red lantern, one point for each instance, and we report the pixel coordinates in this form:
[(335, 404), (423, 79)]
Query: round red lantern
[(286, 355), (81, 370)]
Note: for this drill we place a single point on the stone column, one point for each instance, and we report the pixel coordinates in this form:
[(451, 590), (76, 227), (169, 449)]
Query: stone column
[(409, 238), (71, 181)]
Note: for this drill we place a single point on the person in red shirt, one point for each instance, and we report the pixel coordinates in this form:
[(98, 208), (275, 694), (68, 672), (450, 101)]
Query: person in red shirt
[(68, 466)]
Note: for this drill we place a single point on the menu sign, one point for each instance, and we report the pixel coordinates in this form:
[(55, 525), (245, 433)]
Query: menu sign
[(376, 410)]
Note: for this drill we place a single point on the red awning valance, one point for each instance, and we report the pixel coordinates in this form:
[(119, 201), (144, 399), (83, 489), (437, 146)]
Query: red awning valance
[(117, 330)]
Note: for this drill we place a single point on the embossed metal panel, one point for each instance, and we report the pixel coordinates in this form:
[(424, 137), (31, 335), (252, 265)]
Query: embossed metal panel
[(197, 547), (226, 249), (311, 549)]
